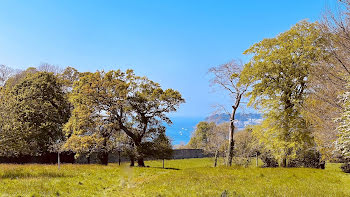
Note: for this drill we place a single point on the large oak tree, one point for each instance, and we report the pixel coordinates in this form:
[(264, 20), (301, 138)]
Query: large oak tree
[(107, 102)]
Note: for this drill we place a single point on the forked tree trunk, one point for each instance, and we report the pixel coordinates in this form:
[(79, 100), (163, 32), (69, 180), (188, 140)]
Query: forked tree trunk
[(216, 158)]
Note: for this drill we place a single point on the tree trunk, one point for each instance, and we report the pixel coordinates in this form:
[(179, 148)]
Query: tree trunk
[(103, 158), (216, 158), (231, 139), (132, 161), (88, 159), (119, 158), (58, 160), (284, 162), (140, 162)]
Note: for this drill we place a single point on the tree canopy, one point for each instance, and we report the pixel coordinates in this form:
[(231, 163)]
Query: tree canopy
[(279, 71), (107, 102), (38, 109)]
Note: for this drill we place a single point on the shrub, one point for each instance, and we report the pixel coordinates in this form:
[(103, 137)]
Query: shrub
[(241, 161), (268, 160), (345, 167), (310, 158)]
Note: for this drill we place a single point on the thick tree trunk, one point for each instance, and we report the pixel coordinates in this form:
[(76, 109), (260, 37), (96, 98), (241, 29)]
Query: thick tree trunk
[(103, 158), (216, 158), (231, 145), (140, 162), (132, 161)]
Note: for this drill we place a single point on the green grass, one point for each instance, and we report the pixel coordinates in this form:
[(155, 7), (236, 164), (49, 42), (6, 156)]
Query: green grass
[(190, 177)]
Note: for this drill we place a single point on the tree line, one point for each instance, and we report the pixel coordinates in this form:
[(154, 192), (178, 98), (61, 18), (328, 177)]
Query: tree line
[(47, 109), (299, 81)]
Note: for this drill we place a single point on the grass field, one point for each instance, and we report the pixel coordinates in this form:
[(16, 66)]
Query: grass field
[(190, 177)]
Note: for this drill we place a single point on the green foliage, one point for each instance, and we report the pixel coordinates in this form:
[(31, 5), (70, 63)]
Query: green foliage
[(38, 111), (200, 137), (106, 103), (210, 137), (161, 147), (246, 144), (95, 96), (279, 71)]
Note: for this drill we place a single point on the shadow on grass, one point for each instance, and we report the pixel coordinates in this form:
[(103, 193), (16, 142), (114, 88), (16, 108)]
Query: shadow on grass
[(16, 174), (166, 168)]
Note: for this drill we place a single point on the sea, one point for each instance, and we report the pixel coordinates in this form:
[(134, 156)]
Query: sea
[(181, 129)]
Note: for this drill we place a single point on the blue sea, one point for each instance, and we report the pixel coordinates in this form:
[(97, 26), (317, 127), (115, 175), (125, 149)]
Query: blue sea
[(181, 129)]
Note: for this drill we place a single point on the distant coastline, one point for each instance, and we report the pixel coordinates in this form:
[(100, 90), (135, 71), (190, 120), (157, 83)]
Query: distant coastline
[(181, 129)]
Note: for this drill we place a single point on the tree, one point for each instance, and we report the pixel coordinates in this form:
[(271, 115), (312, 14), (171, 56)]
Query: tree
[(45, 67), (247, 146), (5, 74), (210, 137), (147, 106), (227, 76), (328, 81), (200, 137), (161, 147), (58, 147), (279, 71), (106, 102), (38, 111), (68, 76), (343, 142), (95, 97)]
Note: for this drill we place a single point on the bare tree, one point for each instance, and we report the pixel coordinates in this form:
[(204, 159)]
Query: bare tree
[(329, 78), (217, 140), (227, 76), (58, 147), (45, 67), (5, 73)]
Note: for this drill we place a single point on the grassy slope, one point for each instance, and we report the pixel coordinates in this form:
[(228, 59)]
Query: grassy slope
[(191, 177)]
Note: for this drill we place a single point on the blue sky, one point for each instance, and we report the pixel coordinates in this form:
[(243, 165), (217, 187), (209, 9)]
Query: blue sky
[(171, 42)]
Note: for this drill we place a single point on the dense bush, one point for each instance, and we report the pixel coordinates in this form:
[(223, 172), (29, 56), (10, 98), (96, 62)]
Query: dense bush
[(345, 167), (310, 158), (268, 160)]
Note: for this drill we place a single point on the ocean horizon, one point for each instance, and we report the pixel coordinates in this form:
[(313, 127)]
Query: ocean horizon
[(181, 130)]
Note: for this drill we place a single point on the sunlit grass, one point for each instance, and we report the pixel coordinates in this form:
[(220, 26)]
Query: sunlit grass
[(190, 177)]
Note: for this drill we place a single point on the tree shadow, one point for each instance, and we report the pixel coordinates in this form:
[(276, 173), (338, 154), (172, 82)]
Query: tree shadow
[(167, 168), (16, 174)]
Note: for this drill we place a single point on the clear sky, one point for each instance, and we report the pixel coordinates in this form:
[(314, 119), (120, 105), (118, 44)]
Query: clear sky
[(171, 42)]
